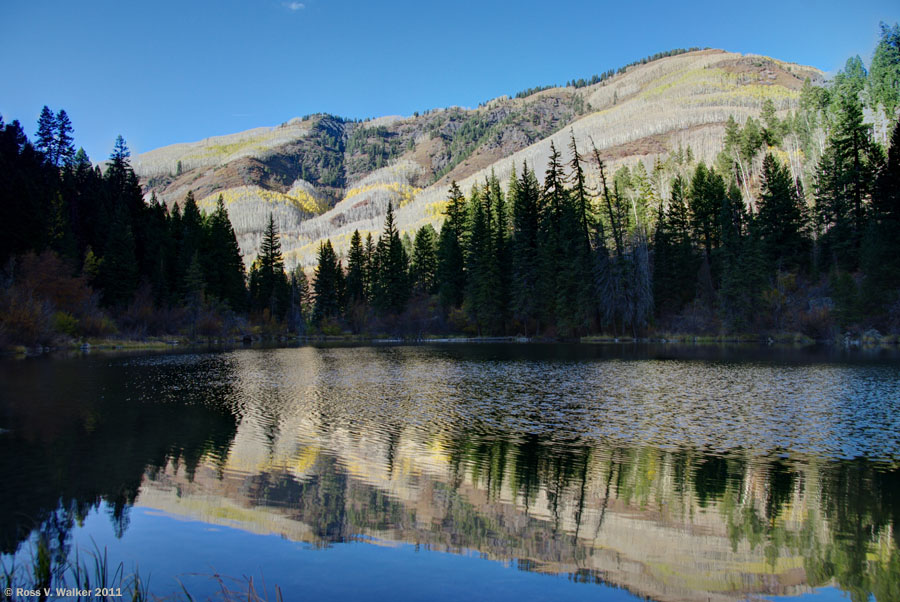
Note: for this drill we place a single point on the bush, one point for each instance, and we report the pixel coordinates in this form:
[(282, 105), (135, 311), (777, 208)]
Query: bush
[(24, 318), (65, 323)]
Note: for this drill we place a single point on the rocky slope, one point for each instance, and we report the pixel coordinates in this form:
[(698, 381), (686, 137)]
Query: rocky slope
[(323, 176)]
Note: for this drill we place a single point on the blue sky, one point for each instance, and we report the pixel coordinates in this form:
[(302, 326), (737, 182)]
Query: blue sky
[(163, 72)]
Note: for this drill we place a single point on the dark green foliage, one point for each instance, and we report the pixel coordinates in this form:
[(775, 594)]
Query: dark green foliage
[(676, 262), (133, 252), (269, 290), (486, 285), (884, 76), (451, 263), (881, 244), (391, 285), (356, 271), (704, 200), (26, 194), (844, 181), (118, 274), (223, 266), (525, 272), (327, 284), (743, 271), (423, 269), (782, 218)]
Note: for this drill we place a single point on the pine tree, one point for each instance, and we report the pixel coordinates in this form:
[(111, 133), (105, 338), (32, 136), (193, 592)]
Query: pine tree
[(391, 291), (119, 275), (782, 218), (554, 198), (844, 178), (270, 290), (369, 272), (526, 274), (884, 75), (451, 262), (743, 264), (423, 267), (45, 137), (223, 266), (676, 264), (327, 284), (356, 271), (881, 245), (301, 300), (64, 151), (478, 252)]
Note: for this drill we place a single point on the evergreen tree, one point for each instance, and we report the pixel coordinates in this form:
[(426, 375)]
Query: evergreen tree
[(63, 151), (423, 268), (119, 275), (45, 138), (222, 261), (844, 178), (478, 264), (391, 286), (327, 284), (301, 301), (743, 265), (554, 200), (675, 265), (356, 271), (884, 76), (369, 272), (526, 273), (270, 288), (782, 218), (451, 262), (881, 245)]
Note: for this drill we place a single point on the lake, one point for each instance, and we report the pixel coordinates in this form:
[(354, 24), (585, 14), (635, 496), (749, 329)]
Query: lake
[(463, 471)]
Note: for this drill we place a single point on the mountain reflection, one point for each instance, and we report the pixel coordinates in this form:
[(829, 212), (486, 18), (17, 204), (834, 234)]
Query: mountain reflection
[(501, 455)]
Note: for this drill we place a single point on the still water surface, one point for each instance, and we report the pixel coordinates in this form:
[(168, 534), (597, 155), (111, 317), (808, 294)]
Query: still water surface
[(466, 471)]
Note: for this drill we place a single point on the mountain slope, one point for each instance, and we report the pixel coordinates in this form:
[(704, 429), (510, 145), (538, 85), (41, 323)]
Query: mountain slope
[(322, 176)]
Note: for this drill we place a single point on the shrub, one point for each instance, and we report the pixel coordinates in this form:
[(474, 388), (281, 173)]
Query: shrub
[(66, 323)]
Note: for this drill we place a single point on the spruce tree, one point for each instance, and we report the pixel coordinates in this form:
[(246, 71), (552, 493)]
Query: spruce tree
[(271, 285), (45, 137), (451, 262), (222, 261), (782, 218), (119, 275), (391, 290), (327, 284), (423, 267), (525, 267), (356, 271), (63, 151)]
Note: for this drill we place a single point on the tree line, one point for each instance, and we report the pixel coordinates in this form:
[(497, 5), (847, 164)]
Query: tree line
[(78, 243), (792, 228), (739, 246)]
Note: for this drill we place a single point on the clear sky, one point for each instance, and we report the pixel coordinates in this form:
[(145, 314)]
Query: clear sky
[(161, 72)]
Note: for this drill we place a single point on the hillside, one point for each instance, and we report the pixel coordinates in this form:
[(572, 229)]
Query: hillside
[(323, 176)]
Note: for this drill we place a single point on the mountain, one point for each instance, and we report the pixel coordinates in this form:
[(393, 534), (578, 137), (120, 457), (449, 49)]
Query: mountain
[(322, 176)]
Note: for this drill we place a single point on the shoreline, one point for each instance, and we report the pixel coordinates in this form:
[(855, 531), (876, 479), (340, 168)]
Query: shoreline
[(117, 346)]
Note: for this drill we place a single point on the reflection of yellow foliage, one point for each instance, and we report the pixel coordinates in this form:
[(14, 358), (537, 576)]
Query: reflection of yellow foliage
[(300, 199), (306, 459)]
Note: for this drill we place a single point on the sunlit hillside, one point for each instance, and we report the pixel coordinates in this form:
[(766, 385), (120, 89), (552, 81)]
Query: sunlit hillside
[(323, 177)]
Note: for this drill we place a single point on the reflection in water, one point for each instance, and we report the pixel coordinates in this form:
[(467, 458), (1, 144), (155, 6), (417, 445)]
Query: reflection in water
[(676, 478)]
